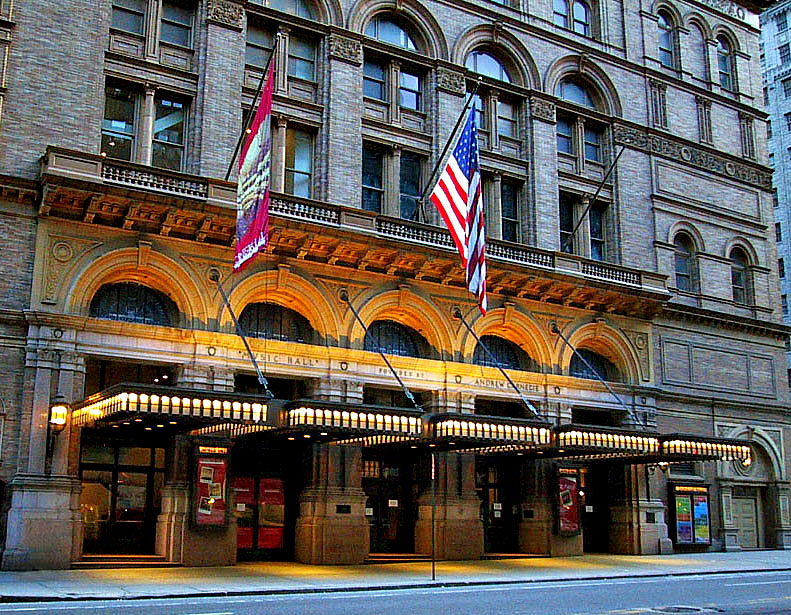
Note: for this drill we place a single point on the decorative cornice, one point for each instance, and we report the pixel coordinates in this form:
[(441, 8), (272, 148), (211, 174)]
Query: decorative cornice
[(686, 313), (451, 81), (346, 49), (667, 147), (225, 13), (542, 109)]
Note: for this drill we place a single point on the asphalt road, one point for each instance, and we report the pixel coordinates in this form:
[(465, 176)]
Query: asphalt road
[(732, 594)]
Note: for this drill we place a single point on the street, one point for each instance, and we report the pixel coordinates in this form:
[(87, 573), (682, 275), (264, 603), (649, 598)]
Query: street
[(734, 594)]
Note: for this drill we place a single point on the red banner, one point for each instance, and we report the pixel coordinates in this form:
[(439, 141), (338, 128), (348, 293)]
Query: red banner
[(569, 504), (252, 193)]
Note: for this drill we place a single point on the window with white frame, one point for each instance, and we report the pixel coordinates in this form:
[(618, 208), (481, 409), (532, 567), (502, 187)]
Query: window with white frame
[(741, 285), (725, 64), (685, 263), (667, 40), (575, 15)]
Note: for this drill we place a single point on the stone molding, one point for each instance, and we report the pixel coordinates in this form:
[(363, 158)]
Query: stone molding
[(667, 147), (542, 109), (346, 49), (451, 81), (225, 13)]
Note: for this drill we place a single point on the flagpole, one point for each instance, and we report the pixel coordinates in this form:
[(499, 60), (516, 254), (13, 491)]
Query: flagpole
[(430, 184), (251, 111)]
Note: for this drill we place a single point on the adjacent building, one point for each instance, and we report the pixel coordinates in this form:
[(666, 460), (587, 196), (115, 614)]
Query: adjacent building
[(634, 297)]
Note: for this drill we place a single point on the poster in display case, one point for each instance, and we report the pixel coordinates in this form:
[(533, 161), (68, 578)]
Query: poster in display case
[(210, 502), (691, 515), (568, 501)]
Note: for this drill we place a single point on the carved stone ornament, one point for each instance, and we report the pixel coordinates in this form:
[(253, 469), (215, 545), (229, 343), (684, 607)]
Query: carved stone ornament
[(694, 156), (451, 81), (640, 342), (226, 13), (346, 49), (60, 256), (542, 109)]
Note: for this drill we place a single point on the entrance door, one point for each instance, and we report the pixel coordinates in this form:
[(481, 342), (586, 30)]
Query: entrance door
[(390, 484), (121, 496), (498, 485), (745, 516), (595, 505)]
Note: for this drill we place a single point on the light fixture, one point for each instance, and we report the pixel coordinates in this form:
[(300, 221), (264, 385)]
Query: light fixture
[(58, 414)]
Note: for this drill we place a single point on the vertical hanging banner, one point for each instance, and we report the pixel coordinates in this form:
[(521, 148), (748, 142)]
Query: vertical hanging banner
[(255, 172)]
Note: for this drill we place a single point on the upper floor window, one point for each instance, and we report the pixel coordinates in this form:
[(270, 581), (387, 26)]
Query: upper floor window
[(487, 65), (575, 92), (784, 53), (502, 353), (509, 205), (300, 58), (778, 232), (272, 321), (573, 15), (388, 31), (300, 8), (399, 87), (299, 162), (168, 145), (259, 46), (667, 42), (391, 337), (597, 366), (374, 80), (373, 179), (129, 15), (578, 135), (132, 302), (684, 256), (725, 64), (175, 19), (410, 184), (593, 244), (497, 120), (118, 126), (740, 276), (176, 24)]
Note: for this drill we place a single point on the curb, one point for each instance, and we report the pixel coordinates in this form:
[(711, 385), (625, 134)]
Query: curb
[(372, 588)]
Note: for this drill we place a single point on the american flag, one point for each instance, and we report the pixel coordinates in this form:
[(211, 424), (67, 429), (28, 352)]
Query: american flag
[(457, 196)]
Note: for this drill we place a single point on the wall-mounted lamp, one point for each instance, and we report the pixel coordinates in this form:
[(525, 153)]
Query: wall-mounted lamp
[(662, 465), (58, 414)]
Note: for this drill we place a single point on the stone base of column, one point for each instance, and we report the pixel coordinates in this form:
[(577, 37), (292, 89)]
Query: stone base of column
[(458, 529), (172, 522), (783, 539), (653, 529), (43, 526), (537, 533), (332, 527), (623, 529), (729, 538)]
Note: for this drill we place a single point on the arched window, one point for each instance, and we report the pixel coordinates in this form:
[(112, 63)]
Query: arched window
[(725, 64), (601, 366), (686, 278), (698, 52), (300, 8), (391, 337), (573, 91), (561, 13), (274, 322), (667, 35), (506, 355), (388, 31), (487, 65), (582, 18), (740, 276), (132, 302)]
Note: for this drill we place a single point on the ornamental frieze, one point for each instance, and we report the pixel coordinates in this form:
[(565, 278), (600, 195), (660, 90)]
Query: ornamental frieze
[(346, 49), (542, 109), (226, 13), (694, 156), (451, 81)]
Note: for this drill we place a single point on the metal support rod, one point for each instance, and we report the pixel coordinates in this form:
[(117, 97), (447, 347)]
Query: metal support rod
[(344, 295), (598, 376), (570, 236), (214, 276), (457, 313), (251, 111), (433, 515), (429, 184)]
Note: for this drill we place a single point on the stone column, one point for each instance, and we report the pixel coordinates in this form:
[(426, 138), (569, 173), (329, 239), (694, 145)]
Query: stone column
[(779, 496), (332, 527), (544, 177), (458, 530), (495, 227), (392, 199), (279, 155), (145, 147)]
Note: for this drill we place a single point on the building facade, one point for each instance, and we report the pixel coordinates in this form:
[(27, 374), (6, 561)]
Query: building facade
[(633, 293)]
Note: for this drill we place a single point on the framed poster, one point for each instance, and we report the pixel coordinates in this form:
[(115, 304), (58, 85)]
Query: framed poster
[(568, 502), (210, 500), (691, 514)]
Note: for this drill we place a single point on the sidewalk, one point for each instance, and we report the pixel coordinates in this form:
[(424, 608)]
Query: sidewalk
[(290, 577)]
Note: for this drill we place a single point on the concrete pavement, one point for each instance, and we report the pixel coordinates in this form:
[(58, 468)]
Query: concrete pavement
[(291, 577)]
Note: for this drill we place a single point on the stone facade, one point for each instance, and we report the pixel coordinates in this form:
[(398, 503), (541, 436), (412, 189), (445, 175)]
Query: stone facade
[(691, 342)]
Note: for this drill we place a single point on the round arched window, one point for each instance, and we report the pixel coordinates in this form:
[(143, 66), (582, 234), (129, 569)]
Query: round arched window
[(504, 353), (388, 31), (300, 8), (487, 65), (597, 366), (725, 63), (740, 276), (133, 302), (684, 261), (274, 322), (573, 91), (391, 337), (667, 47)]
